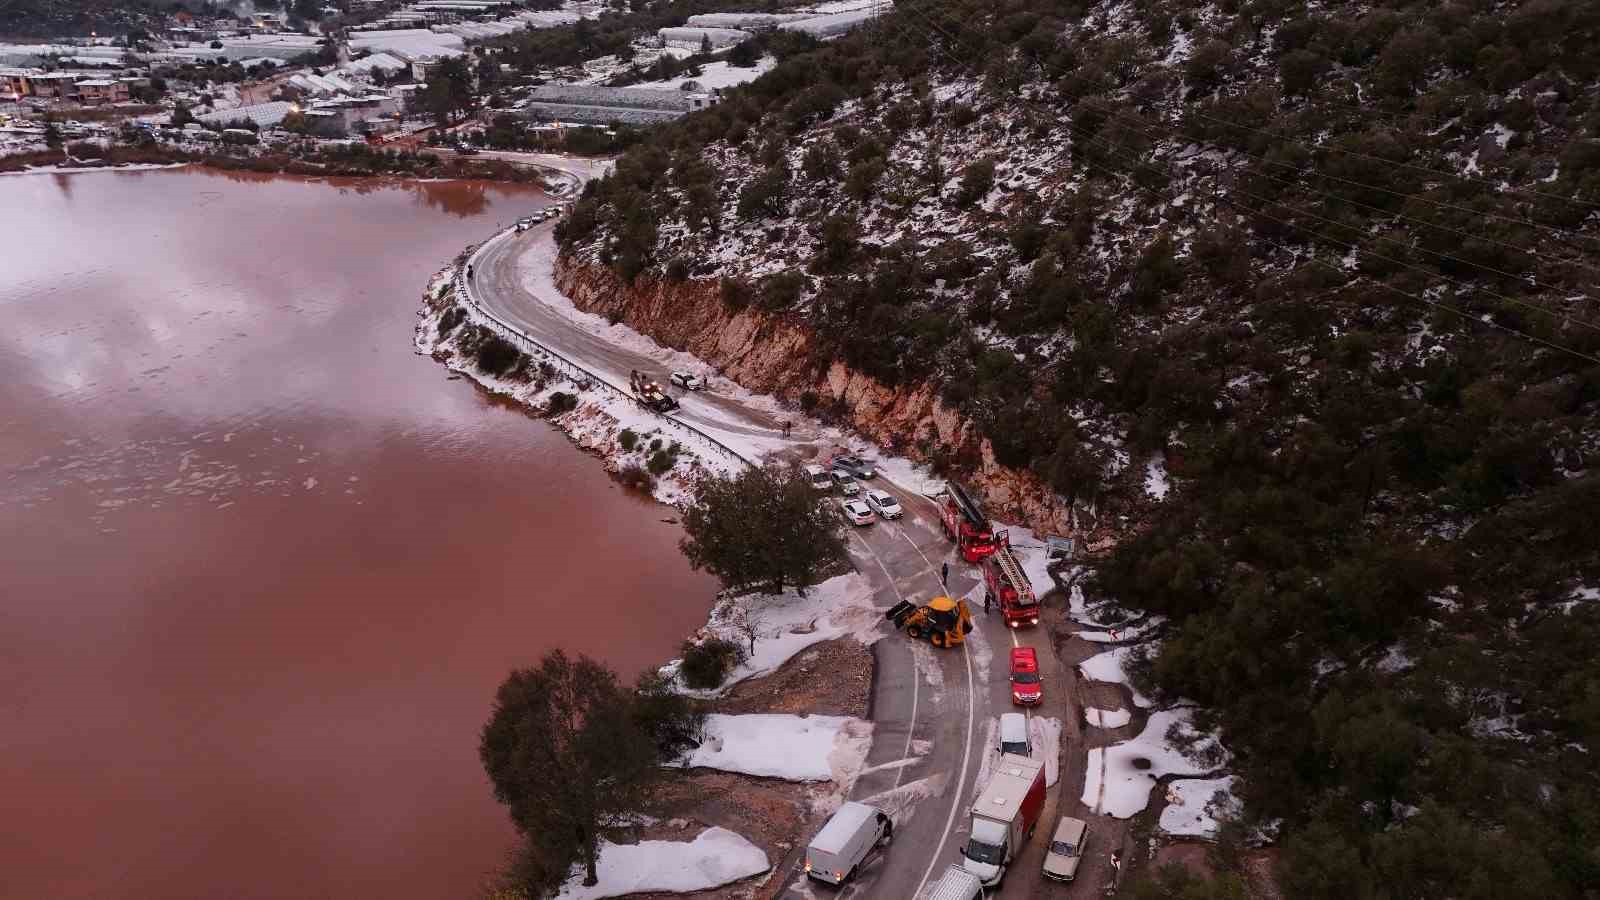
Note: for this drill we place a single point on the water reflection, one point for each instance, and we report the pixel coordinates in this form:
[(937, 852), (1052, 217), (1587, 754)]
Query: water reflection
[(263, 565)]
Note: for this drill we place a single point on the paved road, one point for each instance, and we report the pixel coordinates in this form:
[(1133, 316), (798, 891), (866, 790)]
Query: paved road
[(935, 710)]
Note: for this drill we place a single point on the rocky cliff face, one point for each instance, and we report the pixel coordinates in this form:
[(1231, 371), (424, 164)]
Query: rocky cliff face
[(768, 353)]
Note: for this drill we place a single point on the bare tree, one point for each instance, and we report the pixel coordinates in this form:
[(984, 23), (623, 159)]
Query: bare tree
[(747, 620)]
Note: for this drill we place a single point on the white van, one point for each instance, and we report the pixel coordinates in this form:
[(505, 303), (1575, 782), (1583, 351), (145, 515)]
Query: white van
[(1014, 734), (853, 832), (957, 884), (819, 479)]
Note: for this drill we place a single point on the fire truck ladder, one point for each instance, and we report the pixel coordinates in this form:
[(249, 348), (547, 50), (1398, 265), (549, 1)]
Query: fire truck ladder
[(1013, 572), (970, 510)]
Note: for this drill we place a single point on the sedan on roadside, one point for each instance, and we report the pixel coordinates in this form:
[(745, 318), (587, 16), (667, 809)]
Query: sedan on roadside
[(844, 482), (855, 466), (687, 380), (1066, 849), (884, 505), (856, 511)]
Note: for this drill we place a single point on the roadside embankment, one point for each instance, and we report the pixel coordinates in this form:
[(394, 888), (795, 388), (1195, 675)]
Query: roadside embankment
[(774, 354)]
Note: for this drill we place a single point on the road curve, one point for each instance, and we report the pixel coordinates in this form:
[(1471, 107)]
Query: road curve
[(934, 710)]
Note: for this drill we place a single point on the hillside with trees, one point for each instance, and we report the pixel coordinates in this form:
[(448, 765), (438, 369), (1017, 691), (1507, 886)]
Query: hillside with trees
[(1335, 268)]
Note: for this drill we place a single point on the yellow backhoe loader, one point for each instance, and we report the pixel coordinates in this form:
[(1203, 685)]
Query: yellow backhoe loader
[(945, 622)]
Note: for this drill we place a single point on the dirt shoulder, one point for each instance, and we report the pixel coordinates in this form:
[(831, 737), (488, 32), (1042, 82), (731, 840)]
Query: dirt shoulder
[(833, 678)]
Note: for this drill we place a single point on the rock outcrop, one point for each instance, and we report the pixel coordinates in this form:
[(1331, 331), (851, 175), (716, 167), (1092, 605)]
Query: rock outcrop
[(771, 354)]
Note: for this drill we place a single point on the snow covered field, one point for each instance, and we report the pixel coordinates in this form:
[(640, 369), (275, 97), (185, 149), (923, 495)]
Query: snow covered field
[(715, 858), (715, 75), (794, 748), (788, 623), (1193, 806), (1109, 667), (1121, 776), (1107, 718)]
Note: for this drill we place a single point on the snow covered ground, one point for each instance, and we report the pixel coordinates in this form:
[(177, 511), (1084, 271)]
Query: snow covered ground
[(1110, 666), (1107, 718), (1193, 806), (715, 858), (794, 748), (1130, 633), (1045, 732), (1156, 483), (1121, 776), (599, 419), (789, 623), (714, 76)]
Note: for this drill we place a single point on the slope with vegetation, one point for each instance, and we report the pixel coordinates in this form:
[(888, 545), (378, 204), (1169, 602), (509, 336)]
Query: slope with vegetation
[(1333, 268)]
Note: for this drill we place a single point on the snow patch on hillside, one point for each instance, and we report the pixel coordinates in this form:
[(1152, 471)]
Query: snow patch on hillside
[(788, 623), (1121, 776), (794, 748), (715, 858), (1194, 806)]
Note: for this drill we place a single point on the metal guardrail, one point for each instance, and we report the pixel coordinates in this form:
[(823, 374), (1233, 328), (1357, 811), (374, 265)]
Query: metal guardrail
[(582, 377)]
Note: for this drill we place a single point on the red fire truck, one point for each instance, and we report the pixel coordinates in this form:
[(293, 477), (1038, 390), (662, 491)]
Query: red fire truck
[(1005, 582), (965, 523)]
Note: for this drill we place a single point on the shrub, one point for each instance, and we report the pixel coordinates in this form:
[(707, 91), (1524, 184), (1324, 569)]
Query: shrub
[(660, 462), (735, 294), (497, 356), (451, 318), (706, 665), (561, 402), (782, 290), (628, 439), (808, 401), (632, 476), (655, 445), (976, 181)]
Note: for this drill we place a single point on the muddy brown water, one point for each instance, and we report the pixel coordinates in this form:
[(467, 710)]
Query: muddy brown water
[(261, 566)]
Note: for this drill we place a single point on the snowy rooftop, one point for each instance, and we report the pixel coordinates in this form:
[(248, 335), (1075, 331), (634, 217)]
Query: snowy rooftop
[(261, 114)]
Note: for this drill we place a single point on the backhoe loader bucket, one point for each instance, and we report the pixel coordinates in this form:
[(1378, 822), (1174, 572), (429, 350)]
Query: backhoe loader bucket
[(898, 612)]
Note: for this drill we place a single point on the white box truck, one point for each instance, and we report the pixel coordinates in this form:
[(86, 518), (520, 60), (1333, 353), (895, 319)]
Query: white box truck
[(1003, 817), (838, 849)]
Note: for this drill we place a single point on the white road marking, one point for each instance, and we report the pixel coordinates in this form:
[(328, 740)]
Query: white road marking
[(955, 796)]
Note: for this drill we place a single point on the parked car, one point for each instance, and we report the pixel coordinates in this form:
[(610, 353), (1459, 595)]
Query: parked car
[(838, 849), (957, 884), (884, 505), (465, 150), (1061, 858), (858, 512), (524, 223), (1014, 734), (819, 478), (855, 466), (1026, 689), (688, 381), (844, 482)]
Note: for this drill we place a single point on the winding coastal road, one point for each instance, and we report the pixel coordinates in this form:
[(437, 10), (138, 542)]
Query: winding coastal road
[(935, 711)]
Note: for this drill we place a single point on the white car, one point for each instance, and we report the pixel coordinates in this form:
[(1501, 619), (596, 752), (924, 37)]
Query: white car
[(1014, 734), (884, 505), (687, 381), (844, 482), (858, 512)]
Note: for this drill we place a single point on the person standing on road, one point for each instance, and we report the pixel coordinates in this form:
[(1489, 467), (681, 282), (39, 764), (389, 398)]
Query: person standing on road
[(944, 575)]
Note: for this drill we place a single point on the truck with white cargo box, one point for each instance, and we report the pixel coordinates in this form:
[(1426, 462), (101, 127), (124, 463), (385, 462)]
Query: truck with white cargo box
[(1003, 817), (957, 884), (838, 849)]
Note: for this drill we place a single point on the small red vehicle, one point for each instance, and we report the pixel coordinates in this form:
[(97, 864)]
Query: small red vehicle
[(1026, 688)]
